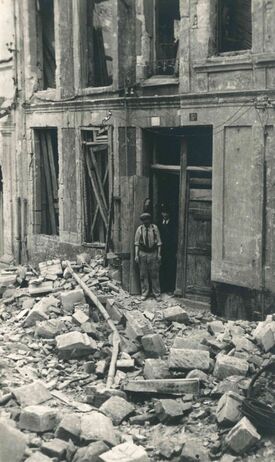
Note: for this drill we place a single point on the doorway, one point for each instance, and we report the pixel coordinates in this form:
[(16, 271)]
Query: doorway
[(1, 215), (181, 183)]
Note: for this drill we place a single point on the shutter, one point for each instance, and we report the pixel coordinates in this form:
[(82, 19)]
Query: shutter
[(237, 207)]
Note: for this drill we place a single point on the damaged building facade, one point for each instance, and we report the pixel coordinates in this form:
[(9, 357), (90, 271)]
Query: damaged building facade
[(121, 100)]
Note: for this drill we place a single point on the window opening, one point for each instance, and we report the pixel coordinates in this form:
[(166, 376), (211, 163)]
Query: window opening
[(96, 184), (46, 37), (47, 171), (98, 17), (235, 25)]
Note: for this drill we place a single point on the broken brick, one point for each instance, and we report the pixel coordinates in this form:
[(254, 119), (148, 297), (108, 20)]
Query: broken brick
[(153, 345), (125, 452), (38, 419), (189, 359), (242, 436)]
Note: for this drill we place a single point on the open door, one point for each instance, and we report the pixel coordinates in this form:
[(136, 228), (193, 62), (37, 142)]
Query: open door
[(237, 207)]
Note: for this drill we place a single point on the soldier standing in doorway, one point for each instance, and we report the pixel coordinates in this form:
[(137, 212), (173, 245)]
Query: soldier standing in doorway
[(148, 256)]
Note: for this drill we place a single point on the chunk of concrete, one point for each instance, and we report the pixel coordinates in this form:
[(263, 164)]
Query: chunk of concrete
[(137, 325), (189, 359), (55, 448), (229, 365), (75, 344), (91, 452), (125, 452), (69, 428), (117, 408), (38, 419), (156, 369), (176, 313), (71, 298), (49, 328), (153, 345), (229, 409), (242, 436), (265, 335), (97, 427), (32, 394), (12, 443)]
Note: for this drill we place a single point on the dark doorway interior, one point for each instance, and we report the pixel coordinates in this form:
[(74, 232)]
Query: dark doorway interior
[(186, 258)]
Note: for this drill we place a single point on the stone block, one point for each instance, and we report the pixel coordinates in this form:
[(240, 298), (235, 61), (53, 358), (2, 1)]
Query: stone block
[(176, 313), (7, 280), (38, 419), (75, 344), (242, 343), (242, 436), (137, 325), (113, 310), (189, 343), (69, 428), (153, 345), (49, 328), (38, 313), (55, 448), (80, 317), (42, 287), (97, 427), (38, 457), (12, 443), (169, 410), (264, 335), (229, 365), (228, 409), (197, 374), (31, 394), (194, 451), (50, 268), (127, 364), (189, 359), (125, 452), (71, 298), (156, 369), (91, 452), (215, 327), (117, 408)]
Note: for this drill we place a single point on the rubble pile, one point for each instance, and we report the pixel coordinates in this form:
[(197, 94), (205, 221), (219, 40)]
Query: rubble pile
[(181, 377)]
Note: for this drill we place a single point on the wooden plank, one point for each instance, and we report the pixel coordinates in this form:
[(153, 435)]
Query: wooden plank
[(180, 284), (200, 195), (97, 207), (126, 194), (52, 167), (163, 386), (99, 200), (48, 184), (166, 168), (191, 168), (98, 177)]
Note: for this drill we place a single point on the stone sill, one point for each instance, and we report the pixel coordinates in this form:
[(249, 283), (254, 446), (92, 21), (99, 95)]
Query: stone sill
[(49, 94), (224, 63), (94, 90), (265, 60), (157, 81)]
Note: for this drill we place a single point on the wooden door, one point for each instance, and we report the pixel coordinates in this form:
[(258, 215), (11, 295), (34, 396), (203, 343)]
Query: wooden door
[(198, 238)]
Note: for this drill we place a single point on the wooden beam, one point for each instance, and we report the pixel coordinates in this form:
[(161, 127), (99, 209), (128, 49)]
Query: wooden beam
[(166, 168), (191, 168), (48, 183), (52, 166), (99, 180), (100, 203)]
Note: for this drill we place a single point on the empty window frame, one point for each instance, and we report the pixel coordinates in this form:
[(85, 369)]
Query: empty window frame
[(96, 42), (46, 43), (234, 25), (96, 185), (46, 181), (162, 20)]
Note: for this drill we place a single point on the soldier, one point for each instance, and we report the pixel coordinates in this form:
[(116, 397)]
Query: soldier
[(148, 256)]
